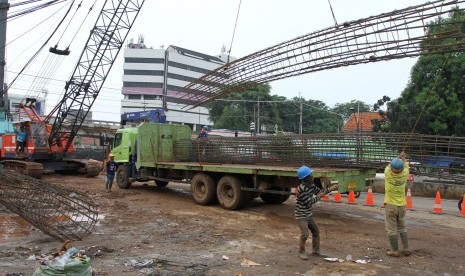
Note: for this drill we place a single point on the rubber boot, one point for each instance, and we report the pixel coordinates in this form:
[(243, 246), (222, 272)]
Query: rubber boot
[(404, 239), (302, 254), (316, 246), (394, 252)]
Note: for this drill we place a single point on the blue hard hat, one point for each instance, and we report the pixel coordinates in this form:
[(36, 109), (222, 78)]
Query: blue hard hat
[(397, 164), (303, 172), (205, 127)]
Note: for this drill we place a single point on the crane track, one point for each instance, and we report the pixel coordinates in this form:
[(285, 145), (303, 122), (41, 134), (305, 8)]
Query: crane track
[(29, 168), (91, 168)]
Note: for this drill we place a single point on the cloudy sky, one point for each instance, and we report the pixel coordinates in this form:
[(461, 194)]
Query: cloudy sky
[(205, 26)]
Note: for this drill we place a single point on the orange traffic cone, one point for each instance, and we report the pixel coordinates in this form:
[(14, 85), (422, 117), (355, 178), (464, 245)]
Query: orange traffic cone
[(409, 200), (351, 199), (337, 198), (437, 208), (370, 201), (325, 197), (462, 212)]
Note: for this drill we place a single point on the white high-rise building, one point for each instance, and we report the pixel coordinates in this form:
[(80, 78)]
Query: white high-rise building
[(155, 78)]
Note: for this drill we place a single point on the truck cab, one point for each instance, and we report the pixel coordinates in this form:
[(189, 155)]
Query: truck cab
[(139, 150), (124, 144)]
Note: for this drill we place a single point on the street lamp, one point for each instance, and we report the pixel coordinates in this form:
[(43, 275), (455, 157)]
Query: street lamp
[(357, 118), (358, 141)]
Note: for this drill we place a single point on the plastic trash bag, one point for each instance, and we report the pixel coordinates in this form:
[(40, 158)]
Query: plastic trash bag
[(77, 267)]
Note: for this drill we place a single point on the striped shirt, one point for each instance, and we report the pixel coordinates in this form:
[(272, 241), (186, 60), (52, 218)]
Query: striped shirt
[(306, 197)]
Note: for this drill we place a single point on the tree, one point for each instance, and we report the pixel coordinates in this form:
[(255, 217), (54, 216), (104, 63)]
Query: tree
[(238, 110), (345, 109), (434, 100)]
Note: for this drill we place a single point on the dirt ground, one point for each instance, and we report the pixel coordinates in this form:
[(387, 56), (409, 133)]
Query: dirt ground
[(164, 228)]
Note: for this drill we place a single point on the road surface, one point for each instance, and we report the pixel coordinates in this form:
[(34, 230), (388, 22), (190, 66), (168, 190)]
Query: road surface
[(164, 228)]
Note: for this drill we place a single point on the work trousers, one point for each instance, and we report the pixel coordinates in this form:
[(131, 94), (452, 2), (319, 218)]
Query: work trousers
[(305, 225), (109, 181), (395, 219)]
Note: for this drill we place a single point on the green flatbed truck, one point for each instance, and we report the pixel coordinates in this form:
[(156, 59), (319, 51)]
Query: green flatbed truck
[(164, 153)]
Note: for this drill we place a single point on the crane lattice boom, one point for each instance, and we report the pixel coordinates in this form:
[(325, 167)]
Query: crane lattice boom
[(103, 45)]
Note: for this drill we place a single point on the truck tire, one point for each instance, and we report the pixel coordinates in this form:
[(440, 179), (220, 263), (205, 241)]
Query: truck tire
[(460, 204), (203, 189), (229, 193), (161, 183), (122, 178), (275, 198)]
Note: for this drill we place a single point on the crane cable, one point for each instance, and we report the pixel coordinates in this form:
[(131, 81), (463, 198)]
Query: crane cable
[(38, 51), (332, 12), (234, 31), (35, 26), (439, 71), (82, 23), (74, 14)]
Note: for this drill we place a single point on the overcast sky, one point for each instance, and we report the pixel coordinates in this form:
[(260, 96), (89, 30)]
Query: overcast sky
[(205, 26)]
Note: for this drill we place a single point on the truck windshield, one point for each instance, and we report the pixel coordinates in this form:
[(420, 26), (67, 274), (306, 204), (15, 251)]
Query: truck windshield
[(118, 138)]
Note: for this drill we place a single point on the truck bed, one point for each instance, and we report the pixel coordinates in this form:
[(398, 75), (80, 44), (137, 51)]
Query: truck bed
[(259, 169)]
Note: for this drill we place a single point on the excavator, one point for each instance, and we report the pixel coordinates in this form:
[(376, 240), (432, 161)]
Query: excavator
[(50, 140)]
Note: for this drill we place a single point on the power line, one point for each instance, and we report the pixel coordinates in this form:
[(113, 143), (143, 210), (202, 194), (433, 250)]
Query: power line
[(30, 75)]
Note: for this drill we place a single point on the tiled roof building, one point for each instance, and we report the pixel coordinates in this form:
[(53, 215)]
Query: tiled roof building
[(361, 122)]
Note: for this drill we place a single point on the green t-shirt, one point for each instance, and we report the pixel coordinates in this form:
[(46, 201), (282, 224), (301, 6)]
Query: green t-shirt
[(394, 186)]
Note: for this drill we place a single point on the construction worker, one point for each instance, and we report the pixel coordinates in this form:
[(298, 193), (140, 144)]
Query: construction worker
[(112, 166), (396, 175), (308, 194), (21, 140), (203, 132)]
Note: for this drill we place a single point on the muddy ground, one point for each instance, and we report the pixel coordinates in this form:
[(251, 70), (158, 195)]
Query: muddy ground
[(166, 229)]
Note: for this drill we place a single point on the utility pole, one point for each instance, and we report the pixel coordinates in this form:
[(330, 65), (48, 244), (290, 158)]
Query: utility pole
[(258, 115), (4, 6), (301, 111)]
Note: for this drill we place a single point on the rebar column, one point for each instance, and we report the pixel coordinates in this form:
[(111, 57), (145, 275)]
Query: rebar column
[(62, 213)]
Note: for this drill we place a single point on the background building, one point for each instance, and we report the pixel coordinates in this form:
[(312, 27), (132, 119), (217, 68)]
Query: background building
[(155, 78), (361, 122), (14, 101)]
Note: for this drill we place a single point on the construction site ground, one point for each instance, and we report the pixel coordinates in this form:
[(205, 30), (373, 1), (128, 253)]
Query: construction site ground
[(148, 230)]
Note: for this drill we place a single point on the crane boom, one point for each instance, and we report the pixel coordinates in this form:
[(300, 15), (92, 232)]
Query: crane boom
[(103, 45)]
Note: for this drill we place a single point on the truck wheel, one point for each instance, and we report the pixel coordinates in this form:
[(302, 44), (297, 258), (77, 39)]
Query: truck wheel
[(122, 178), (275, 198), (460, 204), (357, 194), (203, 189), (229, 193), (161, 183)]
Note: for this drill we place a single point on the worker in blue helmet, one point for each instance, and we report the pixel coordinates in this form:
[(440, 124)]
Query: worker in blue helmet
[(307, 195), (395, 178)]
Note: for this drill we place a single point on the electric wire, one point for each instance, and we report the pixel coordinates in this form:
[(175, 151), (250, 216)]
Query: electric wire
[(27, 11)]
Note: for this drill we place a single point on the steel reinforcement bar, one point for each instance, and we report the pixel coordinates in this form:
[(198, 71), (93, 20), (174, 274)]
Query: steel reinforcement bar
[(59, 212), (394, 35), (435, 156)]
